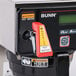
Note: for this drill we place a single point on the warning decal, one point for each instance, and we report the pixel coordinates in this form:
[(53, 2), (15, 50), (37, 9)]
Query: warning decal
[(43, 46), (34, 62), (40, 62), (29, 16), (44, 42)]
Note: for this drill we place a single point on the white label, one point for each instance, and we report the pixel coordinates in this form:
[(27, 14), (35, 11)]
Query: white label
[(44, 49), (26, 61)]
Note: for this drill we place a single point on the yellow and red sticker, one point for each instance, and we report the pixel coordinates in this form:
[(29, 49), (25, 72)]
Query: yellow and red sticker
[(43, 47)]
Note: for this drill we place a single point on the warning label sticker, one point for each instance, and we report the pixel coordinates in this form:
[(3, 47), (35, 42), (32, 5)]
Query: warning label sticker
[(44, 42), (40, 62), (34, 62), (30, 16)]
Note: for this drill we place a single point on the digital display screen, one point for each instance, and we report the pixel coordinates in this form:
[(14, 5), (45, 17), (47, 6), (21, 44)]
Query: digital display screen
[(67, 19)]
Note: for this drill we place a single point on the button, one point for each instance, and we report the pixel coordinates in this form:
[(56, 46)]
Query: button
[(64, 41)]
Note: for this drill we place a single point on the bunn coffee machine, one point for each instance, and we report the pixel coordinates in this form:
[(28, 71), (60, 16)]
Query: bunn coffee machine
[(45, 39)]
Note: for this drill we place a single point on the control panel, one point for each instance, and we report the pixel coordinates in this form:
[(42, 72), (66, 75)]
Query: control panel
[(51, 27)]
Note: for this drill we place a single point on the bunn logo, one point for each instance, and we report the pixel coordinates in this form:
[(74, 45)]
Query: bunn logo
[(48, 15)]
